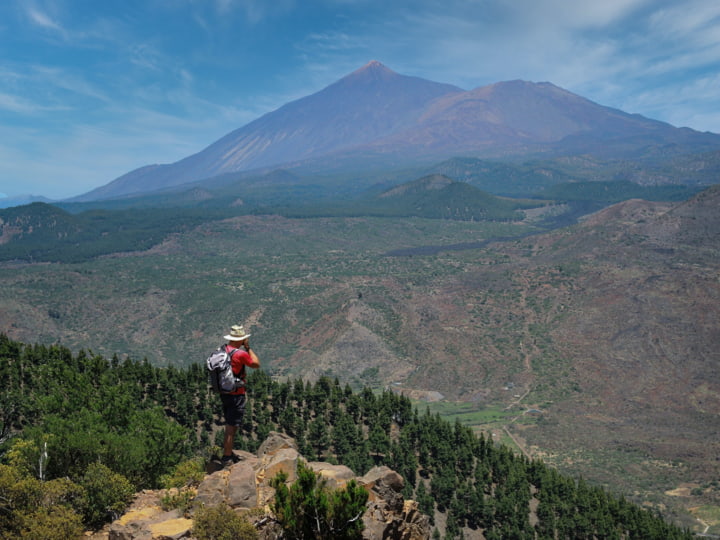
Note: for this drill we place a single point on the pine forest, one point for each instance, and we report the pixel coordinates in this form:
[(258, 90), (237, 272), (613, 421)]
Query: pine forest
[(81, 433)]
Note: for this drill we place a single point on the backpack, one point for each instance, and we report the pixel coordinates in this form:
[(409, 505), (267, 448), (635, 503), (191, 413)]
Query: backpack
[(220, 374)]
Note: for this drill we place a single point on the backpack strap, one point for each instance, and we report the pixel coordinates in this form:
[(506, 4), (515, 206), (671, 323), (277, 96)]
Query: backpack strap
[(230, 353)]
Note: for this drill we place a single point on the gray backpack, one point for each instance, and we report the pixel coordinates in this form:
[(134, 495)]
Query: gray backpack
[(220, 373)]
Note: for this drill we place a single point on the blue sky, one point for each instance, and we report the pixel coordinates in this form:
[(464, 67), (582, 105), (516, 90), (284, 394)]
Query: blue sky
[(91, 89)]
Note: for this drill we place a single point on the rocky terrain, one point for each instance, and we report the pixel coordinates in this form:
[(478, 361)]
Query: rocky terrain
[(245, 488)]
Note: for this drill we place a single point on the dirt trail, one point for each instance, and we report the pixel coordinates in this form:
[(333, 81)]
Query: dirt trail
[(530, 318)]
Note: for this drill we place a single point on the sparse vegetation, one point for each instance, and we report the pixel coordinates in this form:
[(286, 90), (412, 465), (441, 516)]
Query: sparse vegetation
[(222, 523)]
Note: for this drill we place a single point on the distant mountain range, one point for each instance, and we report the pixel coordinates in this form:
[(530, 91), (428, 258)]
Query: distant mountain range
[(18, 200), (375, 118)]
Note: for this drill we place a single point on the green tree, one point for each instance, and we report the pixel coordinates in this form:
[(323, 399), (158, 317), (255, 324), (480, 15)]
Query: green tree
[(425, 501), (308, 509)]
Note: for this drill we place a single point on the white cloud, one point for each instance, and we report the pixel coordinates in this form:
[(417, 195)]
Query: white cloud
[(76, 157), (687, 20), (583, 15), (18, 104), (42, 19)]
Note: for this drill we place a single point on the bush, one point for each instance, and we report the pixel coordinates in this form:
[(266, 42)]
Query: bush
[(58, 523), (66, 492), (108, 494), (22, 456), (20, 495), (222, 523), (33, 509), (185, 474), (180, 499), (309, 509)]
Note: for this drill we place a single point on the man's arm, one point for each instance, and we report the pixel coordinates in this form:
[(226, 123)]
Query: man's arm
[(254, 360)]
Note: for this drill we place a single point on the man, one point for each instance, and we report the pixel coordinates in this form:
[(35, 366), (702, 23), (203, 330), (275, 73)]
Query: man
[(234, 403)]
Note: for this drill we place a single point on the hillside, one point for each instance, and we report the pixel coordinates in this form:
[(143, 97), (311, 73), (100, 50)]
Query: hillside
[(44, 233), (70, 461), (375, 119), (432, 197), (441, 197), (41, 232), (604, 331)]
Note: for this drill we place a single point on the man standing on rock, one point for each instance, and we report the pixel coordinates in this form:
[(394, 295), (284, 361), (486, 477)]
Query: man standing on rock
[(234, 403)]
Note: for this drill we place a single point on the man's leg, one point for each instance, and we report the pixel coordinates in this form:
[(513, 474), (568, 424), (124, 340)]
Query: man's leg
[(229, 440)]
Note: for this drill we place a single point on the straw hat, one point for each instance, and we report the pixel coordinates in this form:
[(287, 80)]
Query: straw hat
[(237, 333)]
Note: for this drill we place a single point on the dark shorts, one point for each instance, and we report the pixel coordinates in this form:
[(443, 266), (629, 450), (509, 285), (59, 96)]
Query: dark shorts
[(233, 408)]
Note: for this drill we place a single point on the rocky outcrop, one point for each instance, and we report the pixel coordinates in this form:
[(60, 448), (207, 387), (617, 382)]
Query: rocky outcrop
[(388, 515), (245, 486)]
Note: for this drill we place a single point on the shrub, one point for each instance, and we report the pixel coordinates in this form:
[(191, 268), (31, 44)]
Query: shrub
[(57, 523), (23, 455), (222, 523), (309, 509), (186, 473), (19, 495), (177, 499), (108, 494), (66, 492)]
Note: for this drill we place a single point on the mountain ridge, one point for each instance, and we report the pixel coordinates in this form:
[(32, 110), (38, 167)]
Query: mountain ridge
[(375, 117)]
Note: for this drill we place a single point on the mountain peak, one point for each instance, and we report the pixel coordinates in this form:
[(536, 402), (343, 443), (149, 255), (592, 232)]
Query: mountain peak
[(374, 65), (373, 70)]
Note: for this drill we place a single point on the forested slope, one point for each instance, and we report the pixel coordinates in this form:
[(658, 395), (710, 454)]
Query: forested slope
[(79, 433)]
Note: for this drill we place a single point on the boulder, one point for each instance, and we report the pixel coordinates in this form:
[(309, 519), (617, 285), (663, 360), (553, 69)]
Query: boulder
[(283, 459), (242, 489), (234, 486), (150, 523), (274, 442), (335, 475), (388, 515), (384, 485)]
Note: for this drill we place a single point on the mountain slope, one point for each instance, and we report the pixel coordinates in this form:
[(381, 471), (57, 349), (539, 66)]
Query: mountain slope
[(361, 107), (633, 302), (375, 117), (515, 114)]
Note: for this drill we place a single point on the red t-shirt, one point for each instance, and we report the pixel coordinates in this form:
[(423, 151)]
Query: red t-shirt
[(239, 359)]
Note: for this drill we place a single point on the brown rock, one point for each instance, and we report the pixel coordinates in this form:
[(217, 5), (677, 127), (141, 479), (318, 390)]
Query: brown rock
[(275, 441), (172, 529), (244, 486), (149, 523), (388, 515), (242, 489), (336, 475), (283, 459), (234, 486), (386, 485), (212, 490)]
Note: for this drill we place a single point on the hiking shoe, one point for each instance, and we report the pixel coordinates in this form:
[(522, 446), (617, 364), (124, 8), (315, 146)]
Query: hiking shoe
[(229, 460)]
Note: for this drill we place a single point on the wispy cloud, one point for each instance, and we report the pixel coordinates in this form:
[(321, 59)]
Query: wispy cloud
[(257, 10), (42, 19), (114, 89), (21, 105)]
